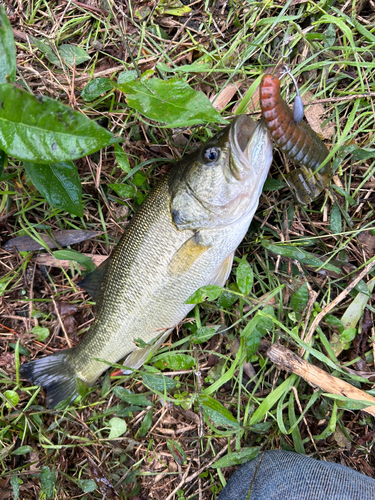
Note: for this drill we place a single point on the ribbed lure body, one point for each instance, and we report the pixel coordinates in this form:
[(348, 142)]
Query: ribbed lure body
[(297, 140)]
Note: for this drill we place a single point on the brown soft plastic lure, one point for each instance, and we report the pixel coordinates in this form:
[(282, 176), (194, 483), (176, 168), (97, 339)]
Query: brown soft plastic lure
[(297, 140)]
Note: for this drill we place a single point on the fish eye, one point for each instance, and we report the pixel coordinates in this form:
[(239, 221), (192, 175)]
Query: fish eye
[(211, 154)]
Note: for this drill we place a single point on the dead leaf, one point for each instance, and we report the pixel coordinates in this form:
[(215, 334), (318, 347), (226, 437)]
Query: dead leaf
[(367, 240), (314, 115), (224, 96), (44, 259), (104, 486), (59, 239)]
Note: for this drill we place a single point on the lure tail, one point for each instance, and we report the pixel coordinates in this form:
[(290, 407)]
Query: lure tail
[(55, 374)]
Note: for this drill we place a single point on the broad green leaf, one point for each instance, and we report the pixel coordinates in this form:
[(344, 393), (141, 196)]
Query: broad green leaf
[(252, 343), (227, 299), (333, 321), (47, 480), (245, 276), (300, 298), (217, 412), (336, 220), (208, 292), (125, 191), (203, 334), (329, 36), (172, 102), (75, 256), (172, 8), (237, 458), (158, 382), (47, 50), (174, 361), (131, 398), (22, 450), (273, 185), (41, 130), (118, 427), (178, 453), (7, 50), (96, 87), (127, 76), (122, 158), (21, 348), (348, 335), (59, 183), (87, 485), (72, 54), (12, 397), (40, 333)]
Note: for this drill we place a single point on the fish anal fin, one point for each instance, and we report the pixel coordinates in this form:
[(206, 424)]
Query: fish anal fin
[(222, 273), (139, 356), (186, 255), (93, 281)]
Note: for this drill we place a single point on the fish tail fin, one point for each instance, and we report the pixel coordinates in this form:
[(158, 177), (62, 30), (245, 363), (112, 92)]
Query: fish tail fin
[(55, 374)]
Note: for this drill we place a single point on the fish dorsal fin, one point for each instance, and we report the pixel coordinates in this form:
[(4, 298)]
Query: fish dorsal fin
[(186, 255), (222, 273), (93, 281), (139, 356)]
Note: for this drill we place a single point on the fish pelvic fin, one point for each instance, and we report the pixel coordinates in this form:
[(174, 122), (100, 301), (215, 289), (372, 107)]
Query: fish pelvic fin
[(55, 374), (186, 255), (222, 273)]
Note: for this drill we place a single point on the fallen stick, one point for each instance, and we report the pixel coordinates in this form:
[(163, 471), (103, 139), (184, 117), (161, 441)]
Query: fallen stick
[(287, 360)]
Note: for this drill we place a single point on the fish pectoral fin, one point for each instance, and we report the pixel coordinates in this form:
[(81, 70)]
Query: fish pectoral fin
[(186, 255), (222, 273), (138, 357), (93, 281)]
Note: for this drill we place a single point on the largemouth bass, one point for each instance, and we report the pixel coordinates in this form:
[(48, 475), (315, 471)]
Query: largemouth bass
[(183, 237)]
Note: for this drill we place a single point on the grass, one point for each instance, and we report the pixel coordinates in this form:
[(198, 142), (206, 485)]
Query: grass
[(172, 435)]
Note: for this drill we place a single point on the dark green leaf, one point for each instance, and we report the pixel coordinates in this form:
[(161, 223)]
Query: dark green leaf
[(329, 36), (131, 398), (300, 255), (336, 222), (139, 179), (237, 458), (125, 191), (172, 102), (245, 276), (178, 453), (127, 76), (227, 299), (22, 349), (47, 50), (122, 158), (87, 485), (12, 397), (252, 343), (217, 412), (333, 321), (146, 423), (72, 54), (47, 480), (158, 382), (22, 450), (95, 88), (7, 49), (273, 185), (75, 256), (41, 130), (208, 292), (59, 183), (174, 361), (300, 298), (203, 334)]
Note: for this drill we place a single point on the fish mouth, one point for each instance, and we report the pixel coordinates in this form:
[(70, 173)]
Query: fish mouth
[(251, 147)]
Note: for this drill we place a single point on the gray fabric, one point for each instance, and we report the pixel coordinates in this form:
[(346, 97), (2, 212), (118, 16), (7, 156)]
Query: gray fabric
[(284, 475)]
